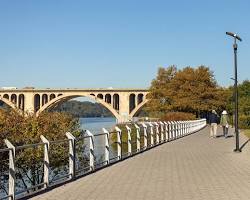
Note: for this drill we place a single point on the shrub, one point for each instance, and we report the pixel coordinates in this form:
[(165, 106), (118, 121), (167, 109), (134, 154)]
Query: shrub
[(244, 121), (27, 129), (178, 116)]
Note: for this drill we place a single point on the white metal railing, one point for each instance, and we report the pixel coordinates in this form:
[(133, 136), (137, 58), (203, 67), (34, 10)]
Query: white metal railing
[(148, 134)]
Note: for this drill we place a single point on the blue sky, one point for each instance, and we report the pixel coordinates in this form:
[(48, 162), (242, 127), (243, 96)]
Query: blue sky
[(120, 44)]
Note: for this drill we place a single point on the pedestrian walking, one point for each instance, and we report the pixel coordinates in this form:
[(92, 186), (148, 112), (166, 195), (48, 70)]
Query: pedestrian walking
[(213, 121), (224, 121)]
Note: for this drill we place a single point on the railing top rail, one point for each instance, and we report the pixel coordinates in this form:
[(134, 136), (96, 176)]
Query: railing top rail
[(105, 133), (5, 150), (82, 137), (85, 136), (110, 132), (6, 197), (29, 146), (99, 134), (58, 141)]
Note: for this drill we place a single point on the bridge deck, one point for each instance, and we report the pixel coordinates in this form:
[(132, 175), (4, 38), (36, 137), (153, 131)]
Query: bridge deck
[(194, 167)]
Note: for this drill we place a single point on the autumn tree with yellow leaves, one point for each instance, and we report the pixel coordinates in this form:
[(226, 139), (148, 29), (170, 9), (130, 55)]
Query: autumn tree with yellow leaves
[(189, 90)]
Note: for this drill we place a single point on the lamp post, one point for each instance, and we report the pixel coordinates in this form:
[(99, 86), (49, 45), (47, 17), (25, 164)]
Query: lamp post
[(236, 112)]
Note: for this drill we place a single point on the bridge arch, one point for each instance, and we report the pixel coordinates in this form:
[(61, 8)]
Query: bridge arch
[(52, 96), (137, 108), (132, 102), (8, 102), (140, 98), (63, 98), (21, 100), (116, 101), (6, 96), (100, 96), (13, 98), (108, 98), (37, 104)]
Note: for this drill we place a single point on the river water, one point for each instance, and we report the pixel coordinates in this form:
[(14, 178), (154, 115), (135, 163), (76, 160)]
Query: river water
[(96, 124)]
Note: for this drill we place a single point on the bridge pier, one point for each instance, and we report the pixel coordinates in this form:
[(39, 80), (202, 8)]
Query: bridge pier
[(29, 105)]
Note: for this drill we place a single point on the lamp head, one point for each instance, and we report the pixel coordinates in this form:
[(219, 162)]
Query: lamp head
[(234, 35)]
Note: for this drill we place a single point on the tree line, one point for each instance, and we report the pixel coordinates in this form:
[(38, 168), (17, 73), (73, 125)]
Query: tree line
[(194, 92), (83, 109)]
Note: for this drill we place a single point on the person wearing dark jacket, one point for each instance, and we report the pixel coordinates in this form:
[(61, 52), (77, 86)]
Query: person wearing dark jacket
[(213, 121)]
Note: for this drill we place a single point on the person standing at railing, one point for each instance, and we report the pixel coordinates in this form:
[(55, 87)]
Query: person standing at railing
[(224, 121), (213, 121)]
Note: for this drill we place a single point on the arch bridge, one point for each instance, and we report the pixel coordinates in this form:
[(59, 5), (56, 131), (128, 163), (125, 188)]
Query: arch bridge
[(122, 103)]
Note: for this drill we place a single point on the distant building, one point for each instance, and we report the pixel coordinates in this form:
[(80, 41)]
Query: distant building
[(29, 88), (9, 88)]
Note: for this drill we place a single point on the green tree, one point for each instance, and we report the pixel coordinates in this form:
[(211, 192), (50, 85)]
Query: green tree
[(244, 97), (244, 103)]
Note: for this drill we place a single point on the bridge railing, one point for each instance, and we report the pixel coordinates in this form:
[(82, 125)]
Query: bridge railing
[(80, 155)]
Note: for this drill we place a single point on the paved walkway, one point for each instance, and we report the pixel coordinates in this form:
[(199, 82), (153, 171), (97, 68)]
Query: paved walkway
[(193, 167)]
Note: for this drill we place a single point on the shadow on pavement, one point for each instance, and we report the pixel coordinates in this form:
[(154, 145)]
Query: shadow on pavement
[(244, 144)]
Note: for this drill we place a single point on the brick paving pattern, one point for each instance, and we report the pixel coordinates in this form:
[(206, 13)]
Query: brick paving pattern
[(190, 168)]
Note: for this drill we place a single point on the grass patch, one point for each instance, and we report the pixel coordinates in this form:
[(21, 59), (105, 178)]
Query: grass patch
[(246, 132)]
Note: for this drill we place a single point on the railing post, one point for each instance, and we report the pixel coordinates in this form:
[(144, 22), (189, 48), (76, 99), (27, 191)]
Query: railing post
[(182, 128), (185, 128), (138, 143), (178, 130), (46, 161), (106, 155), (175, 130), (91, 149), (162, 131), (170, 130), (151, 134), (192, 127), (166, 132), (72, 157), (157, 132), (119, 142), (145, 135), (188, 127), (12, 173), (129, 140), (195, 126)]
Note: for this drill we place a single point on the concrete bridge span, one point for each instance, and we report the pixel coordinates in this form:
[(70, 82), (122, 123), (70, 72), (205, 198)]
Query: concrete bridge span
[(122, 103)]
